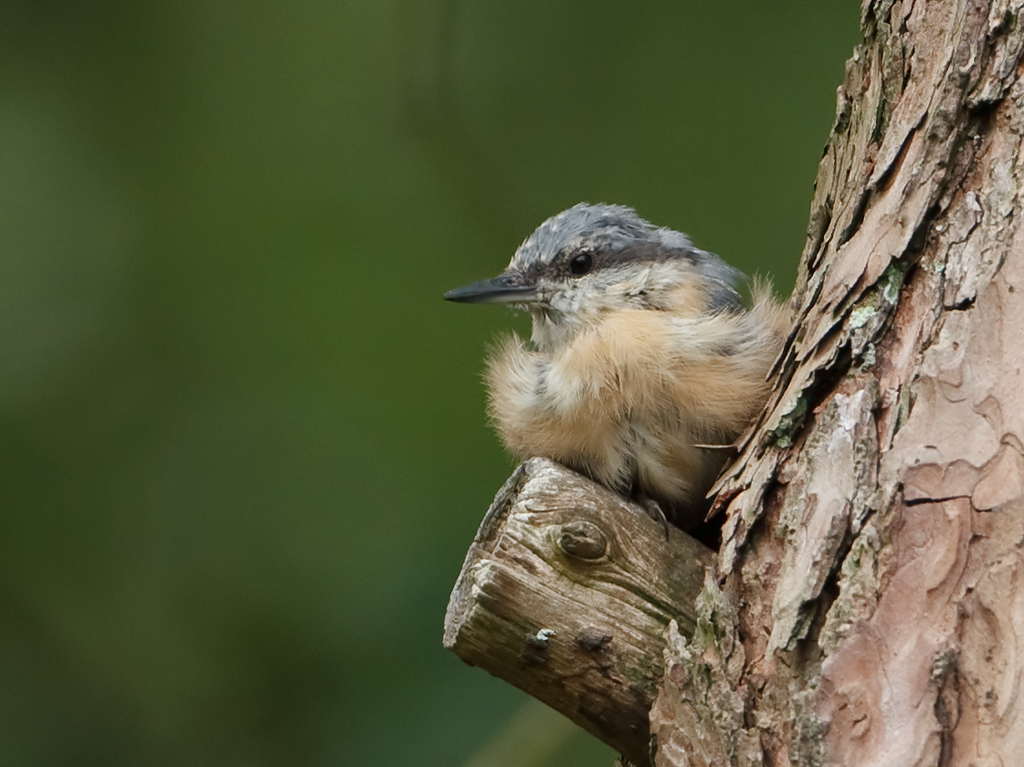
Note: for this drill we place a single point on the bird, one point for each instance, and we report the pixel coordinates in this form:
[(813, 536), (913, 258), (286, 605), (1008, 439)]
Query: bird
[(644, 362)]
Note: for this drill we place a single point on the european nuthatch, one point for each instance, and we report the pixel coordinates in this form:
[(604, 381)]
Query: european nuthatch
[(643, 363)]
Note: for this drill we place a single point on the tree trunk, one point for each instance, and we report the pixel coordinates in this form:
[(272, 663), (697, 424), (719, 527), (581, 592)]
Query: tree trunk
[(866, 606), (871, 561)]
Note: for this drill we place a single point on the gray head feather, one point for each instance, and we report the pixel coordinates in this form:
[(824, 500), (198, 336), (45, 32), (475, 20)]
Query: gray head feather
[(613, 235)]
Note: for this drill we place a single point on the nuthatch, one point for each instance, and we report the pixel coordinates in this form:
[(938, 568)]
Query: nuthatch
[(643, 363)]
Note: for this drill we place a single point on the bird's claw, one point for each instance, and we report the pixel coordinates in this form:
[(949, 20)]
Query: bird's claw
[(655, 512)]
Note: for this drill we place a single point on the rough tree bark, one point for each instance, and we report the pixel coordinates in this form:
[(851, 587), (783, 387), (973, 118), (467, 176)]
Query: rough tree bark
[(867, 604), (871, 570)]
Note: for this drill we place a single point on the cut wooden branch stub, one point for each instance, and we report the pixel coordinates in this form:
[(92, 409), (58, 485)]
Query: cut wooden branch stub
[(566, 593)]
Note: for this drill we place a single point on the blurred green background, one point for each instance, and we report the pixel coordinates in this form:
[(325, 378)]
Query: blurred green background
[(243, 439)]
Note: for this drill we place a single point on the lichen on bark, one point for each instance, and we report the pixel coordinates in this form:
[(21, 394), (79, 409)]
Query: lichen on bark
[(872, 522)]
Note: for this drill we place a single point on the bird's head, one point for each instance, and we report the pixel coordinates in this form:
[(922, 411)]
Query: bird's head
[(590, 260)]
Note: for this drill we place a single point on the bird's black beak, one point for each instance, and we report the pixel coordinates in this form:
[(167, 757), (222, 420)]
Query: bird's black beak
[(504, 289)]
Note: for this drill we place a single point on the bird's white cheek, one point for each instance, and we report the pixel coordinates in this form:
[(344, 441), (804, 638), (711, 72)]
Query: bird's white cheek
[(565, 302)]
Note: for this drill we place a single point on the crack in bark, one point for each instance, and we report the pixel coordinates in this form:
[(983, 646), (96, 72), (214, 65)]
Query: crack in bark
[(944, 499)]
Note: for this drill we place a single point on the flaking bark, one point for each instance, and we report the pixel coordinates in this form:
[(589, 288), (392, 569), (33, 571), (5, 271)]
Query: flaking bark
[(873, 523)]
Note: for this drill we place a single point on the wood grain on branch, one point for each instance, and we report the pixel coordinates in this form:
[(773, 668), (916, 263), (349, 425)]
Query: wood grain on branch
[(567, 592)]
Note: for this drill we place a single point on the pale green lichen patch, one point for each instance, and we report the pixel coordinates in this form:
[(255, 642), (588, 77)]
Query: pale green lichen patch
[(716, 619), (710, 712), (860, 316), (872, 311), (789, 423), (943, 662), (807, 736), (891, 281), (869, 357)]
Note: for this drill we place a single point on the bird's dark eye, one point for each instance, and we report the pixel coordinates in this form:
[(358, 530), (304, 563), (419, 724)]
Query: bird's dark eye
[(581, 264)]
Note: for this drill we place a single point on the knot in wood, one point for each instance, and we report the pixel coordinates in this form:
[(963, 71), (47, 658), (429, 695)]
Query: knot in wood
[(591, 638), (582, 540), (537, 646)]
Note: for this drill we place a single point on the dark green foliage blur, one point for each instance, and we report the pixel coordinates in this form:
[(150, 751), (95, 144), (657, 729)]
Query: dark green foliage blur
[(243, 439)]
